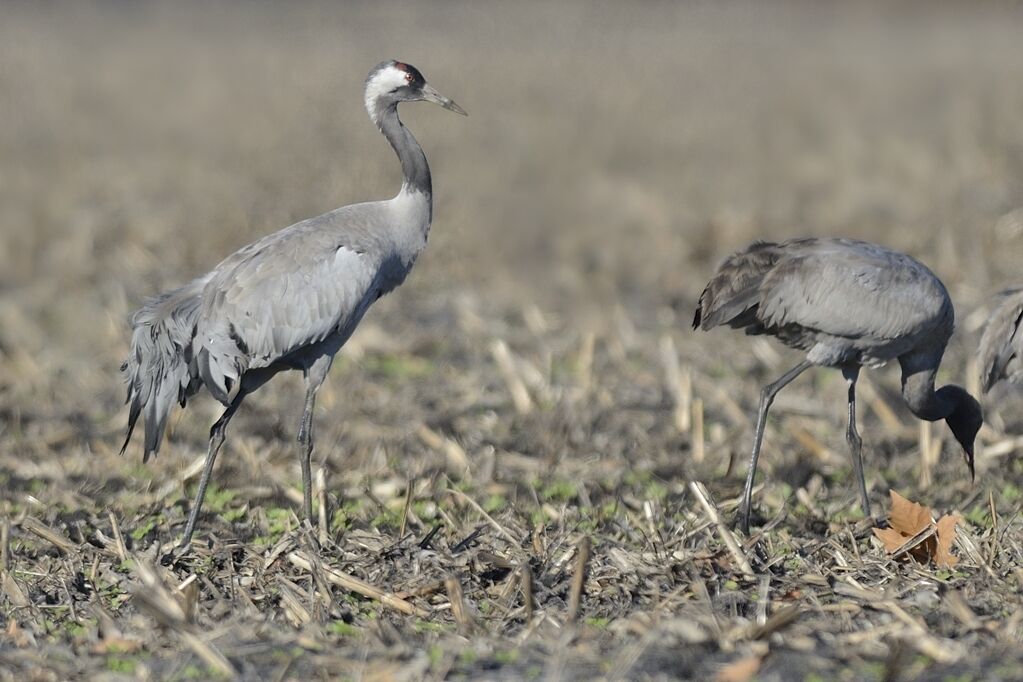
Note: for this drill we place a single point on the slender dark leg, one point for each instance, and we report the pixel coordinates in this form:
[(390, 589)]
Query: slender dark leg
[(216, 440), (853, 437), (766, 398), (314, 377), (305, 440)]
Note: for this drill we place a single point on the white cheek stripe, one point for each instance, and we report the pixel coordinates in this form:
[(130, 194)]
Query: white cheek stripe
[(382, 83)]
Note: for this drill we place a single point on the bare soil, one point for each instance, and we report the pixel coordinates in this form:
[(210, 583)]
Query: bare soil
[(514, 445)]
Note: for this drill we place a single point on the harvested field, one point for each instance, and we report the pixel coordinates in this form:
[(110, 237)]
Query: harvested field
[(527, 462)]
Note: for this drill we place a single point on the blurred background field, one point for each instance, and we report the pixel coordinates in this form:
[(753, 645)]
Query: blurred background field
[(613, 154)]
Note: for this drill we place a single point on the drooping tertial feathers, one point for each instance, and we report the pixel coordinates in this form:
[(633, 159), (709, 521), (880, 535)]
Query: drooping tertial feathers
[(160, 369)]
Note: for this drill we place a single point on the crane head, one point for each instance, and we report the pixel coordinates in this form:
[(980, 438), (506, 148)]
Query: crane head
[(965, 421), (392, 81)]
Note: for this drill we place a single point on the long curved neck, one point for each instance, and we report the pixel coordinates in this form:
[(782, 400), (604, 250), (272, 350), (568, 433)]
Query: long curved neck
[(918, 373), (414, 169)]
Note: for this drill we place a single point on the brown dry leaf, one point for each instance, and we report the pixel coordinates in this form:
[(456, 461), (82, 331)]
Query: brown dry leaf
[(891, 538), (946, 535), (909, 519), (741, 670), (19, 637)]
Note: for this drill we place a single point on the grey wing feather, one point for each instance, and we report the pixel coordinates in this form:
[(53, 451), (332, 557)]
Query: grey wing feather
[(291, 289), (1002, 341), (855, 290), (733, 293), (160, 369)]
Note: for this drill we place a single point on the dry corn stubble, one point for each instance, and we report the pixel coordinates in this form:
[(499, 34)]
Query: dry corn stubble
[(579, 209)]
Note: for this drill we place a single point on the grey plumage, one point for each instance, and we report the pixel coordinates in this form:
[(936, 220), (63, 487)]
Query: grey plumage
[(1000, 354), (847, 304), (299, 293), (160, 367), (287, 301)]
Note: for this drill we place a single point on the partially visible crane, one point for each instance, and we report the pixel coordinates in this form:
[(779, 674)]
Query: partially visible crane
[(287, 301), (1000, 354), (847, 304)]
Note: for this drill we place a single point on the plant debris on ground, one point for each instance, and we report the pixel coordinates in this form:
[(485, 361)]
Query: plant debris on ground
[(527, 465)]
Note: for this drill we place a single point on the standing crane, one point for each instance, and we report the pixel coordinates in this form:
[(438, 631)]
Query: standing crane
[(1001, 347), (846, 304), (288, 301)]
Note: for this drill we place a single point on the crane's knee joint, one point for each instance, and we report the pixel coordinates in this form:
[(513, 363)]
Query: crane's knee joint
[(305, 433), (854, 439), (217, 434)]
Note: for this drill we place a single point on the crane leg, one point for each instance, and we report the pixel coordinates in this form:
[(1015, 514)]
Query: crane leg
[(766, 398), (854, 440), (217, 434), (305, 440), (314, 377)]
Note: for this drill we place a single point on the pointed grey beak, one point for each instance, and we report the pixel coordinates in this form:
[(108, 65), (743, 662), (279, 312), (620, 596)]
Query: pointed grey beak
[(431, 95), (968, 454)]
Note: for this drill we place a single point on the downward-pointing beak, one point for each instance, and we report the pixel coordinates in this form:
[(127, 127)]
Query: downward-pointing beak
[(431, 95), (968, 454)]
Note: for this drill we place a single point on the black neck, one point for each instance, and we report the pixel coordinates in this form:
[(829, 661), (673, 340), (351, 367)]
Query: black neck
[(414, 168), (918, 375)]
